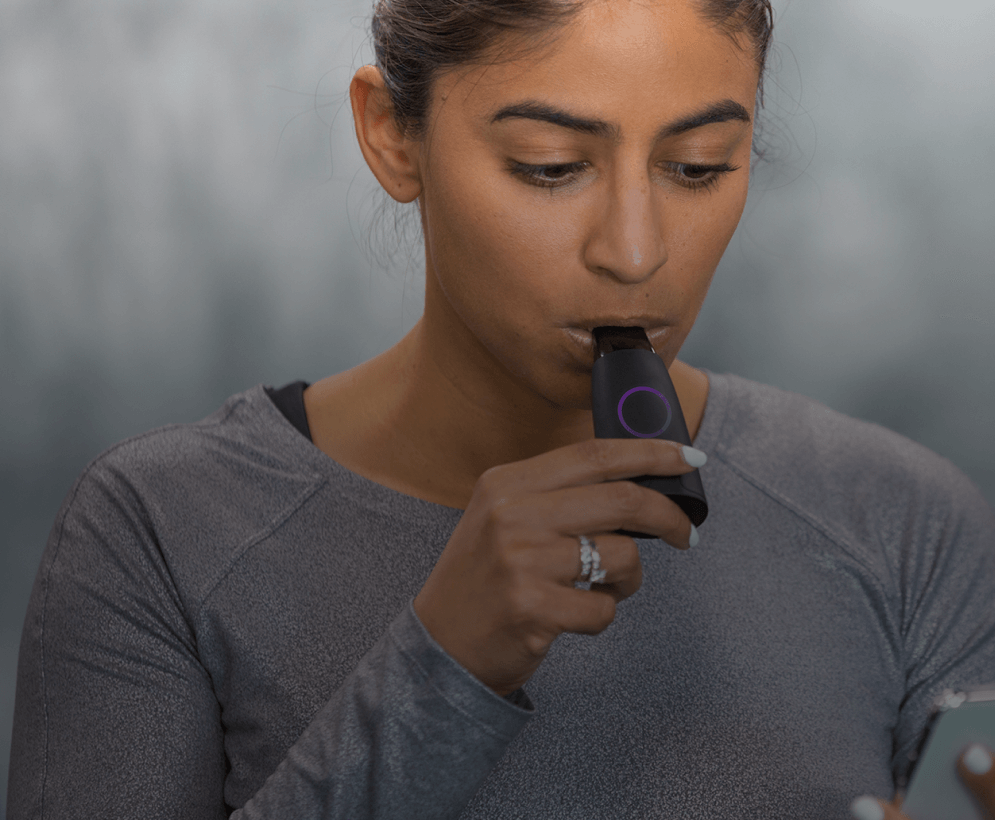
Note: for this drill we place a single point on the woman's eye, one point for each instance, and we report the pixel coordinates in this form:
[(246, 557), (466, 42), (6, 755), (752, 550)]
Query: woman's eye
[(546, 175), (694, 177)]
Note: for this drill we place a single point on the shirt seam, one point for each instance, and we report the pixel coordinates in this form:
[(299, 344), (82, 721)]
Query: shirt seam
[(240, 551), (883, 585), (799, 512), (55, 557)]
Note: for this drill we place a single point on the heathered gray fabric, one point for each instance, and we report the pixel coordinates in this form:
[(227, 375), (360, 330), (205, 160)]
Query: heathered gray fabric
[(222, 624)]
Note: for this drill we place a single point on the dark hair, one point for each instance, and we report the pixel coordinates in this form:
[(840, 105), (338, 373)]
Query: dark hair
[(417, 40)]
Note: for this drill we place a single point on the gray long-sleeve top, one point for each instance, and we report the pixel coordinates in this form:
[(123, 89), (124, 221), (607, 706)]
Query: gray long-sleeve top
[(222, 625)]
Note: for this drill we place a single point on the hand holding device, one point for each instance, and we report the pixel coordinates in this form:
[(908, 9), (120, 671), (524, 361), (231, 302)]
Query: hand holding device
[(957, 720), (959, 736), (503, 587)]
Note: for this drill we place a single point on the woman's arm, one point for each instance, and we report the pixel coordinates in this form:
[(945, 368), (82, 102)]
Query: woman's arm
[(116, 713)]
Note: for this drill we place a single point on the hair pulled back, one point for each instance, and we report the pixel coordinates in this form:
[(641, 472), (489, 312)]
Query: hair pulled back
[(417, 40)]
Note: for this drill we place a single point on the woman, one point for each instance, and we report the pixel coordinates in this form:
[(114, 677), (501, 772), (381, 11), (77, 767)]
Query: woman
[(356, 598)]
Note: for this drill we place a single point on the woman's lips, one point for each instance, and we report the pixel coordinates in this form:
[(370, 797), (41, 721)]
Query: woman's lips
[(584, 340)]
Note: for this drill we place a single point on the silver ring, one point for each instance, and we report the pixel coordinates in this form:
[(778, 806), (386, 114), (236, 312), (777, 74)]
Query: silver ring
[(588, 556)]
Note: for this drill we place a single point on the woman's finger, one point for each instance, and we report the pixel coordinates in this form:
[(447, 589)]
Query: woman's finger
[(975, 768), (866, 807)]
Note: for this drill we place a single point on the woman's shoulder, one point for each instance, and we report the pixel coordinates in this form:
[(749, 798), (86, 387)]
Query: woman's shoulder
[(777, 428), (817, 458), (246, 439), (213, 483)]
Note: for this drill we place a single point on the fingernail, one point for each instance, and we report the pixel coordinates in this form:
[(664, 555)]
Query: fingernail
[(866, 807), (693, 541), (977, 759), (694, 457)]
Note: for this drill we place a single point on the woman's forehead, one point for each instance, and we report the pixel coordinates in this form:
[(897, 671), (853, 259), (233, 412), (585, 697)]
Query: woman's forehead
[(655, 45), (683, 66)]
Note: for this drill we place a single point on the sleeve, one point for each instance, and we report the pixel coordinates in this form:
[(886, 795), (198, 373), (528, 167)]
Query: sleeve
[(115, 715), (947, 581)]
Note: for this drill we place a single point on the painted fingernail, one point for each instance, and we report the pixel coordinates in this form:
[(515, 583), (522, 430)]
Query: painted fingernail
[(977, 759), (866, 807), (693, 541), (693, 456)]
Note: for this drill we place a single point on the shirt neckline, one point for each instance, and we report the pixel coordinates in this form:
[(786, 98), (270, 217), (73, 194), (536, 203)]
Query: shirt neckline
[(361, 487)]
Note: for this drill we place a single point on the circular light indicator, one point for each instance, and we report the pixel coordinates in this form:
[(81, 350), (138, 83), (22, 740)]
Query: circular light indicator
[(666, 404)]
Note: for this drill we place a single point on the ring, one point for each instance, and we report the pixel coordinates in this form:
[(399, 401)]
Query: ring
[(588, 555)]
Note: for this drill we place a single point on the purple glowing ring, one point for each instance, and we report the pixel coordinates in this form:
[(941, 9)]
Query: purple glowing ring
[(663, 398)]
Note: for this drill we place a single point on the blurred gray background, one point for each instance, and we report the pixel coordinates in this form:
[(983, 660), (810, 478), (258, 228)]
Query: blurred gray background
[(185, 212)]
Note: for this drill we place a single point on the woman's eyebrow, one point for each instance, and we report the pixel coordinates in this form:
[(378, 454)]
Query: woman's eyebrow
[(535, 110)]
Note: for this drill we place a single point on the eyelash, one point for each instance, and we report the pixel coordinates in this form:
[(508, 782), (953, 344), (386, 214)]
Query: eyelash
[(533, 173)]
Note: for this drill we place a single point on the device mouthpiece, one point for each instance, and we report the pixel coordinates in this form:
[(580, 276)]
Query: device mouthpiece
[(611, 337)]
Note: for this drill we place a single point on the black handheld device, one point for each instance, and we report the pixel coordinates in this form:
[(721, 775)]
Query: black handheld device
[(632, 396)]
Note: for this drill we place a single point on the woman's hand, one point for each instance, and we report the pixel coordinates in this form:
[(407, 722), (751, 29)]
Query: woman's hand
[(503, 589), (975, 769)]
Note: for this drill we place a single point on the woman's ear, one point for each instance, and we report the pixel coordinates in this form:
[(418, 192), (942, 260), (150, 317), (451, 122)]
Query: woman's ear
[(393, 160)]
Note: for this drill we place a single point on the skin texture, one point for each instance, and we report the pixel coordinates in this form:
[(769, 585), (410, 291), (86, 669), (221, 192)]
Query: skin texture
[(488, 375)]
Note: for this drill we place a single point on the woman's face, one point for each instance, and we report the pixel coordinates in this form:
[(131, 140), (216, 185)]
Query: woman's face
[(631, 230)]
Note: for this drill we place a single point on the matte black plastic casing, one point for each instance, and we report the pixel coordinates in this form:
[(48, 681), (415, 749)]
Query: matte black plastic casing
[(632, 396)]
